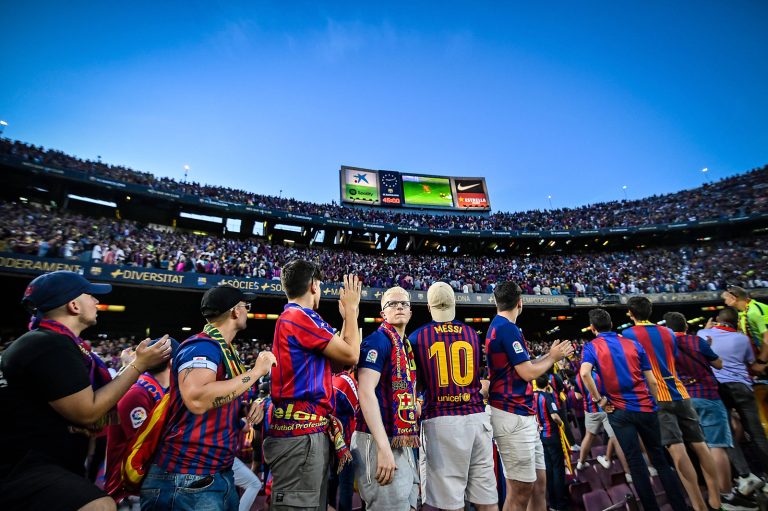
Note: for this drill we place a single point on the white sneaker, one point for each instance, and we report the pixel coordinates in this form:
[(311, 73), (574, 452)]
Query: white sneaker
[(652, 471), (604, 461), (582, 466), (575, 448), (746, 485), (628, 477)]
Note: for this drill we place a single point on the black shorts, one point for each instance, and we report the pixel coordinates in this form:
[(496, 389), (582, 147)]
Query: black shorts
[(679, 422), (39, 484)]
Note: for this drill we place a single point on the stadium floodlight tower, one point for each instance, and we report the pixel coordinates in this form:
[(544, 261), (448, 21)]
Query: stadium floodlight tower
[(625, 191), (549, 197), (3, 124)]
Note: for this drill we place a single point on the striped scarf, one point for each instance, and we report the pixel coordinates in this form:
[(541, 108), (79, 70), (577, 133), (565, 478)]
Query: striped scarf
[(405, 429), (233, 365)]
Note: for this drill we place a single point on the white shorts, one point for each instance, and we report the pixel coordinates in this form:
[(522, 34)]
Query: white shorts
[(399, 495), (595, 421), (520, 449), (456, 459)]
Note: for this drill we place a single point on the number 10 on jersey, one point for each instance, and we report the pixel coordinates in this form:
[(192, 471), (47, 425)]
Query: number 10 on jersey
[(459, 350)]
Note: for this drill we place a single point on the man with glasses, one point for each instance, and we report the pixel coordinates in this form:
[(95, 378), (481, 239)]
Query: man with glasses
[(448, 357), (387, 431), (193, 465), (298, 446)]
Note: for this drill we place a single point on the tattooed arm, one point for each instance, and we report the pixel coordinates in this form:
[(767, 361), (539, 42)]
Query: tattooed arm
[(201, 392)]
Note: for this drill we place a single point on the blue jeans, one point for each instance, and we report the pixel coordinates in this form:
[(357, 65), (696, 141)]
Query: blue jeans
[(163, 490), (627, 426)]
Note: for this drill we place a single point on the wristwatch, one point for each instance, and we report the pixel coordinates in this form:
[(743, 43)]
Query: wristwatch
[(597, 399)]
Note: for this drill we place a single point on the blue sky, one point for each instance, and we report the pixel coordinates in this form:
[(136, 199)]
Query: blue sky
[(570, 99)]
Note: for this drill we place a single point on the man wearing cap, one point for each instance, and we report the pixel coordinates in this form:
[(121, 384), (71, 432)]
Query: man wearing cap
[(297, 447), (57, 389), (193, 466), (132, 410), (387, 432), (448, 357)]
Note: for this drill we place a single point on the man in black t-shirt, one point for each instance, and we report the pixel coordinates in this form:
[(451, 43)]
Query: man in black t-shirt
[(58, 393)]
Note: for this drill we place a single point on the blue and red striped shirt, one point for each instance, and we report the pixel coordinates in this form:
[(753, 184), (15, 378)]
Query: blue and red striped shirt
[(659, 343), (376, 354), (448, 362), (620, 363), (346, 403), (302, 384), (693, 358), (505, 348), (546, 405), (198, 444), (589, 405)]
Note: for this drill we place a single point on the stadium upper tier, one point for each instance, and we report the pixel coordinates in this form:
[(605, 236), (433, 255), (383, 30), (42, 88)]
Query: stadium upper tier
[(736, 197), (45, 232)]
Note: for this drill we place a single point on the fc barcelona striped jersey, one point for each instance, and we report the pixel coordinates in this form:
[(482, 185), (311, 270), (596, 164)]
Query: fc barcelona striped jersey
[(448, 363), (546, 406), (693, 358), (620, 363), (302, 385), (659, 343), (198, 444), (589, 405), (505, 348)]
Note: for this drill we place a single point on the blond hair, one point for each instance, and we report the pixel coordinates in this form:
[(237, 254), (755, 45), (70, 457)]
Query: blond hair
[(391, 291)]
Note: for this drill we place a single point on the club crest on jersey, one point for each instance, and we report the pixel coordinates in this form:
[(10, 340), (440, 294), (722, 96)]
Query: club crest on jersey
[(406, 408), (138, 416), (517, 347), (372, 356)]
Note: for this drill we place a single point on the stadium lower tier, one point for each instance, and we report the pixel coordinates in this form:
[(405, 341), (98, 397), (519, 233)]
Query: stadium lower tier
[(164, 256)]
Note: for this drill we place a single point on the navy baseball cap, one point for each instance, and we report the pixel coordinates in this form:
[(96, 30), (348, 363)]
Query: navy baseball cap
[(174, 345), (220, 299), (54, 289)]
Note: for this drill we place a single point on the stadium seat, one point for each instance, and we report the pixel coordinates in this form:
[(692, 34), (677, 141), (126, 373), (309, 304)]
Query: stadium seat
[(596, 500), (577, 490), (622, 493), (590, 476)]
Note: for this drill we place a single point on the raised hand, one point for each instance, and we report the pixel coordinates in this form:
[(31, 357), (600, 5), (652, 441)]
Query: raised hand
[(149, 356), (264, 363), (349, 296)]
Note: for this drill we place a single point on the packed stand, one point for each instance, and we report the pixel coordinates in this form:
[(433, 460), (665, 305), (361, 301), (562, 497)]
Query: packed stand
[(44, 232), (739, 195), (208, 423)]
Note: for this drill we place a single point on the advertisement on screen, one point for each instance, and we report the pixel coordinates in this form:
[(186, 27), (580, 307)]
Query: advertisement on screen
[(471, 193), (359, 186)]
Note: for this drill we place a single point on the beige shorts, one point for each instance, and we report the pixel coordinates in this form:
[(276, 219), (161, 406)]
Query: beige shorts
[(402, 493), (456, 458), (596, 421), (519, 445)]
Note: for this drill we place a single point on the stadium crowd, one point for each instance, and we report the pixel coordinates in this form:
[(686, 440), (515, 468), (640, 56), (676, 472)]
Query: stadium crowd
[(45, 232), (211, 424), (739, 195)]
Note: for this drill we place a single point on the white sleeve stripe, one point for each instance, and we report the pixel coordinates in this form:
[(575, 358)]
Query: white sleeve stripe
[(202, 364)]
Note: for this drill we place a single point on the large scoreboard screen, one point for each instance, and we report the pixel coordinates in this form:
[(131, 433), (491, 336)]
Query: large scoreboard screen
[(396, 189)]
